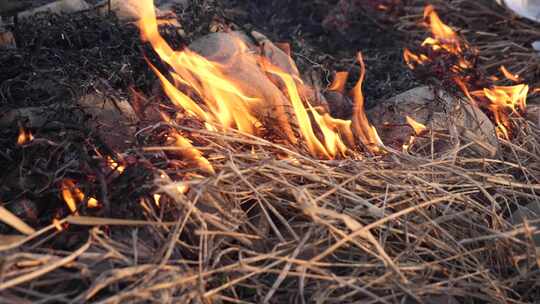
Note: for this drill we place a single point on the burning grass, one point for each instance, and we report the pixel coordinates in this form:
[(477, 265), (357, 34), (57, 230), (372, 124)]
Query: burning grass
[(199, 212)]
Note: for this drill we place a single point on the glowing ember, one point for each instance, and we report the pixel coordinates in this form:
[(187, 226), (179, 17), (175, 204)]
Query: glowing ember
[(114, 165), (25, 136), (73, 196), (417, 127)]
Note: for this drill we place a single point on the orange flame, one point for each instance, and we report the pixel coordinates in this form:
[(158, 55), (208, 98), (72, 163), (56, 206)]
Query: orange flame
[(501, 101), (443, 36), (188, 151), (363, 129), (417, 127), (73, 196), (508, 75), (339, 82), (25, 136)]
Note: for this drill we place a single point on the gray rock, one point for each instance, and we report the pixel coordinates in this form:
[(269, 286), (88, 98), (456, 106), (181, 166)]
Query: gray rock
[(438, 111)]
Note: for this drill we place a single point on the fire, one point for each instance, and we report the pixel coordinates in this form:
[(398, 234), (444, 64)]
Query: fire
[(114, 165), (417, 127), (73, 196), (508, 75), (500, 101), (340, 80), (363, 129), (189, 152), (224, 104), (443, 36), (25, 136)]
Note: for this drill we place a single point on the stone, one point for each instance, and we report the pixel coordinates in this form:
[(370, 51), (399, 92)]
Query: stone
[(58, 7), (128, 10), (461, 122)]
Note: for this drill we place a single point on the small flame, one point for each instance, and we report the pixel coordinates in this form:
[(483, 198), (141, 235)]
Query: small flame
[(340, 80), (73, 196), (501, 101), (114, 165), (188, 151), (157, 198), (443, 36), (417, 127), (508, 75), (25, 136)]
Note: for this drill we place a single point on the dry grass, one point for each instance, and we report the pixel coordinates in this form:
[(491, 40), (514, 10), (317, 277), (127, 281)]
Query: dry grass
[(276, 226), (295, 229)]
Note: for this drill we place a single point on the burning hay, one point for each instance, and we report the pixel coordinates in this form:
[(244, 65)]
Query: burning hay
[(226, 179)]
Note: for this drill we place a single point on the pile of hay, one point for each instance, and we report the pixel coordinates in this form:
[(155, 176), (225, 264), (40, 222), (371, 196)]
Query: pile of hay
[(274, 225)]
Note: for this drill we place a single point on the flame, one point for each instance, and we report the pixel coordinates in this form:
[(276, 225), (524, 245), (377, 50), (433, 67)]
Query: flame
[(363, 129), (508, 75), (72, 195), (500, 101), (25, 136), (443, 36), (504, 100), (417, 127), (188, 151), (222, 103), (115, 166), (340, 80)]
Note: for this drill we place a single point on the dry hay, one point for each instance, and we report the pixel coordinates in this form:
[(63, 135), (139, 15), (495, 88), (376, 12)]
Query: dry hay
[(282, 229), (275, 226)]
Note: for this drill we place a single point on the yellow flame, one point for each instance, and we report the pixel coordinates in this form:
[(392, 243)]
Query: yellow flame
[(417, 127), (25, 136), (73, 196), (501, 101), (443, 35), (188, 151)]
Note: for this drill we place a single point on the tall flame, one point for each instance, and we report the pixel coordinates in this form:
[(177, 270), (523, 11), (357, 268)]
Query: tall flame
[(363, 129)]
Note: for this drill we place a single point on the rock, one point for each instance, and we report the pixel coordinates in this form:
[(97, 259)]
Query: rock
[(457, 120), (128, 10), (58, 7), (113, 120)]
